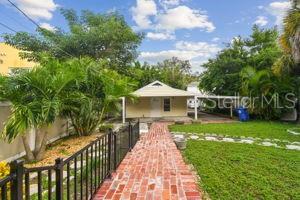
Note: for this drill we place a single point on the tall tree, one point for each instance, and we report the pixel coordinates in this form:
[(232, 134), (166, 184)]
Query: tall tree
[(221, 75), (174, 72), (260, 51), (99, 36), (290, 39)]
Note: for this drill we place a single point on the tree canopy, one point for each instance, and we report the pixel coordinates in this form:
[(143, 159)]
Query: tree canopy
[(248, 66), (94, 35), (80, 90), (260, 51), (173, 72)]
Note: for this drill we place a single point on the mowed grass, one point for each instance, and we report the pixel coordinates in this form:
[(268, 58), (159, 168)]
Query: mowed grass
[(260, 129), (242, 171)]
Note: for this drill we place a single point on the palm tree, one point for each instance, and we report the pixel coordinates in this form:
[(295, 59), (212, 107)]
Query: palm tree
[(266, 91), (81, 90), (290, 39), (95, 92), (114, 87), (290, 42), (35, 98)]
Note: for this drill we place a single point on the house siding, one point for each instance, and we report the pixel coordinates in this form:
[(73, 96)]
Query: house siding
[(138, 108), (142, 107), (10, 59)]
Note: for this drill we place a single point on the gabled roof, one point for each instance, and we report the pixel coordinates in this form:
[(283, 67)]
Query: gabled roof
[(159, 89)]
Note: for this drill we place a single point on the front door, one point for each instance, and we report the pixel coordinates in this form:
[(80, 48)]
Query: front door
[(155, 107)]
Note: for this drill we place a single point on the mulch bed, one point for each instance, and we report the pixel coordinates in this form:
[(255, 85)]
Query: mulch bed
[(63, 148)]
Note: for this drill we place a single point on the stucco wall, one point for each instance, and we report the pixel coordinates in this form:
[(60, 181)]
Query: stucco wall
[(9, 58), (14, 150), (142, 107), (139, 108), (178, 107)]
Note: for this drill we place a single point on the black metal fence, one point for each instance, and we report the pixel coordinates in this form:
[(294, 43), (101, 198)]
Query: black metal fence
[(77, 177)]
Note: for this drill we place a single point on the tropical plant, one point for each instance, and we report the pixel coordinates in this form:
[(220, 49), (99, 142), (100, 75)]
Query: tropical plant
[(95, 92), (35, 104), (290, 39), (266, 92), (115, 87)]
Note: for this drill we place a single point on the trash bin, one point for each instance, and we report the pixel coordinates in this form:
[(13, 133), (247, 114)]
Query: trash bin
[(243, 114)]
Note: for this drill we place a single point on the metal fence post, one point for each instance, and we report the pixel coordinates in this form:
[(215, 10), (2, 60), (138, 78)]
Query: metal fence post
[(138, 131), (59, 178), (129, 136), (109, 151), (17, 168), (115, 150)]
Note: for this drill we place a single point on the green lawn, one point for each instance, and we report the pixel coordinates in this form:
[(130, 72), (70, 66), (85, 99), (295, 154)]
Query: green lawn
[(261, 129), (241, 171)]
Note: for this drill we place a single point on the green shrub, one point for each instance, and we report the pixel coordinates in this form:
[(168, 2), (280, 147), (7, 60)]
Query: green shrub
[(105, 127)]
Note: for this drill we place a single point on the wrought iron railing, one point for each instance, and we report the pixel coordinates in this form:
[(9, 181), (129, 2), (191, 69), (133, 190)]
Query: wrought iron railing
[(77, 177)]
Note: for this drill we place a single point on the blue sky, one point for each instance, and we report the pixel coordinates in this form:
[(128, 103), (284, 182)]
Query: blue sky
[(189, 29)]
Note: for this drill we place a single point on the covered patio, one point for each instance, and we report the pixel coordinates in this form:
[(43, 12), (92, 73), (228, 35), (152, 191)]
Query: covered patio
[(225, 102), (157, 100)]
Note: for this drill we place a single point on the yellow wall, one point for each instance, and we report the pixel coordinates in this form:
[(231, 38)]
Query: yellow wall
[(178, 107), (9, 58), (141, 108)]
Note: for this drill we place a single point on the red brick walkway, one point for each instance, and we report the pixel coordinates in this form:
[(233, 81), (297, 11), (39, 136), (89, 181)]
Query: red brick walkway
[(153, 170)]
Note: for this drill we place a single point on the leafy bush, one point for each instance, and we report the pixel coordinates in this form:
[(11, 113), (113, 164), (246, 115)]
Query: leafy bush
[(104, 127)]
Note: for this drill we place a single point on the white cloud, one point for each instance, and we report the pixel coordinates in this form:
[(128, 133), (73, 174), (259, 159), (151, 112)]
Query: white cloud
[(202, 48), (260, 7), (196, 52), (47, 26), (261, 21), (197, 65), (183, 17), (142, 12), (160, 36), (37, 9), (169, 3), (215, 39), (147, 15), (278, 9), (154, 57)]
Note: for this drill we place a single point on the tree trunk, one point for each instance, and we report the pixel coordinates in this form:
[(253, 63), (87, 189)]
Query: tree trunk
[(29, 154), (101, 114), (40, 152), (295, 44)]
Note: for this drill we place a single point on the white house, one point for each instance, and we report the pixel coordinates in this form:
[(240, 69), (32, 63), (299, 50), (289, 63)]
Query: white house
[(157, 100)]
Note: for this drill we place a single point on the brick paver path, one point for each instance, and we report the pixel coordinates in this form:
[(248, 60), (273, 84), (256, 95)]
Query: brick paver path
[(154, 169)]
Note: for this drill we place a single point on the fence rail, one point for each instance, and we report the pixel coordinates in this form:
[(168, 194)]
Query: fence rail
[(77, 177)]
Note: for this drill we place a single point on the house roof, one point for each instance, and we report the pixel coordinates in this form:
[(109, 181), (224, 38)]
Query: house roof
[(159, 89)]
